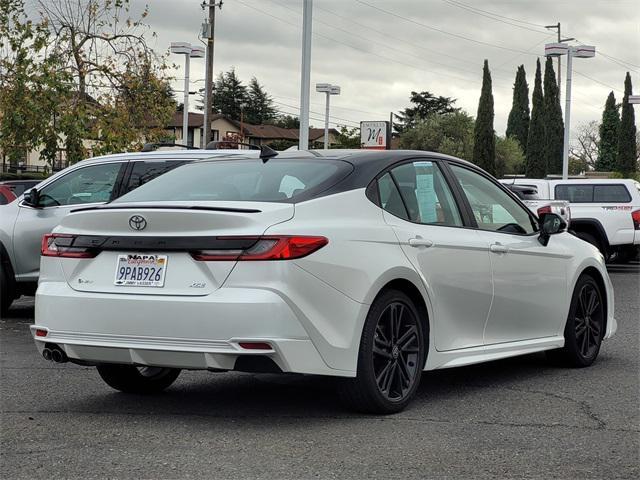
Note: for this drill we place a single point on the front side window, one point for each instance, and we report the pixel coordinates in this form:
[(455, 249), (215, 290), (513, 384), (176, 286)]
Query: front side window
[(92, 184), (493, 209), (417, 191)]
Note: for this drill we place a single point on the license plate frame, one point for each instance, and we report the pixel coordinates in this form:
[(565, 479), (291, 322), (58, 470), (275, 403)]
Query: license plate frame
[(145, 270)]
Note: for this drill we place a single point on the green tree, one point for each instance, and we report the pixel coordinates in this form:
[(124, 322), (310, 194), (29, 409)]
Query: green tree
[(626, 161), (509, 156), (451, 134), (143, 99), (259, 109), (553, 123), (229, 95), (484, 139), (28, 82), (536, 165), (608, 145), (285, 121), (518, 122), (347, 138), (424, 104)]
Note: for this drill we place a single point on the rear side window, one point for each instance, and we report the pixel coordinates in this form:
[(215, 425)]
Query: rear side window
[(143, 172), (243, 180), (602, 193)]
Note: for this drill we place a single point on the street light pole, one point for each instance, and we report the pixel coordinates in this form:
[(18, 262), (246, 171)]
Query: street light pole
[(189, 51), (581, 51), (185, 103), (305, 74), (328, 90), (567, 117)]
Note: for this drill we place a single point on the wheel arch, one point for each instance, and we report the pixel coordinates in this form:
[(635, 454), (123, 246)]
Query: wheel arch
[(591, 226), (599, 279), (417, 296)]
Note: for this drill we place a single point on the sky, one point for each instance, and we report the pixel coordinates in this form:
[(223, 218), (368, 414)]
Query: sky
[(378, 51)]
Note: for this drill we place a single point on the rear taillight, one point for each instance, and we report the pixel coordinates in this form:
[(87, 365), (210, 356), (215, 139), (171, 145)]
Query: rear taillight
[(59, 245), (636, 219), (544, 210), (265, 248)]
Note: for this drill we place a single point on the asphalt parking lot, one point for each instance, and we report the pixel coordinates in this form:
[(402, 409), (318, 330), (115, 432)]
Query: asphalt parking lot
[(514, 418)]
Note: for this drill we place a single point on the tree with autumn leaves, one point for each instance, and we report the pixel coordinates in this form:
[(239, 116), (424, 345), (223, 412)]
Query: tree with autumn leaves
[(81, 72)]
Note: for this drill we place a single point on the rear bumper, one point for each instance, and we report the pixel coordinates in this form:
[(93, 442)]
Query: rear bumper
[(172, 331)]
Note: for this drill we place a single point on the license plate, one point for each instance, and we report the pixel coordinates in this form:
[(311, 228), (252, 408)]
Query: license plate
[(135, 270)]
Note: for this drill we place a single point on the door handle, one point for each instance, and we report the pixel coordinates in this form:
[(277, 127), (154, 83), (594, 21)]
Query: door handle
[(498, 248), (420, 242)]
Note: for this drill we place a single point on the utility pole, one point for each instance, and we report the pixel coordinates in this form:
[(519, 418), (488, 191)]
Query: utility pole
[(560, 40), (305, 74), (208, 31)]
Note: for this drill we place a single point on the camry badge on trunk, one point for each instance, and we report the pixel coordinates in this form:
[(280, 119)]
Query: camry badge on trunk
[(137, 222)]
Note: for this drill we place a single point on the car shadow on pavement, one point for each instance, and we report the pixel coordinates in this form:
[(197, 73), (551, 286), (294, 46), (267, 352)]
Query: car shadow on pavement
[(255, 396)]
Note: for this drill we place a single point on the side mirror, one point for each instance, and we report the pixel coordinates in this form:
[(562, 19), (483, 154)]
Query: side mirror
[(32, 197), (550, 224)]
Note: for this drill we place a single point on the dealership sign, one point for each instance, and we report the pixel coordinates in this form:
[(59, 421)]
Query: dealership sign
[(374, 135)]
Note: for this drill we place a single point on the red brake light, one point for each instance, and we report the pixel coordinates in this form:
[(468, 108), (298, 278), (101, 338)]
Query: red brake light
[(41, 333), (636, 219), (544, 210), (58, 245), (267, 248)]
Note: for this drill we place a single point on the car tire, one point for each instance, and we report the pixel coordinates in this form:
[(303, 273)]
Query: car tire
[(390, 361), (585, 326), (132, 379), (7, 292)]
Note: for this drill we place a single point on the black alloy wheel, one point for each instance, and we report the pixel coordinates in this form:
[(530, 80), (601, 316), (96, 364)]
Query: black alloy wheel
[(585, 327), (588, 320), (395, 351), (391, 357)]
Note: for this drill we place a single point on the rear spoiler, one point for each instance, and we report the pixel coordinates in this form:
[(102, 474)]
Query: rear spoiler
[(167, 207)]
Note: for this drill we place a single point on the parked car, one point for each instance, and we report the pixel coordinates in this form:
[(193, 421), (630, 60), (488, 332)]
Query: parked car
[(18, 187), (531, 198), (6, 195), (90, 182), (370, 266), (604, 212)]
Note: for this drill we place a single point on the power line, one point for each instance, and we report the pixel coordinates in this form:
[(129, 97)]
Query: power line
[(499, 16), (378, 56), (492, 16), (429, 27)]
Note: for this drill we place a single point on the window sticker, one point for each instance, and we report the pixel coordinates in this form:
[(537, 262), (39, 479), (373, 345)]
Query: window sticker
[(425, 192)]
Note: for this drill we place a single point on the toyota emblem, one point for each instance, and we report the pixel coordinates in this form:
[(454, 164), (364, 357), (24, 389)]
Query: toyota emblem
[(137, 222)]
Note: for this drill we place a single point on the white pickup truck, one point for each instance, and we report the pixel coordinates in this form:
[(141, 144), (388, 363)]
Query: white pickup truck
[(605, 213)]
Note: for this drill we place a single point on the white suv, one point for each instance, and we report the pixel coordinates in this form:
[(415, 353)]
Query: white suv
[(605, 213)]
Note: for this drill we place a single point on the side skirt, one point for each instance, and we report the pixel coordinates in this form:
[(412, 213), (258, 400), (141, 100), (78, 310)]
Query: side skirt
[(487, 353)]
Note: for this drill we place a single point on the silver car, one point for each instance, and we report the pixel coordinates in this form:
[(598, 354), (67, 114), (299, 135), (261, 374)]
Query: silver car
[(90, 182)]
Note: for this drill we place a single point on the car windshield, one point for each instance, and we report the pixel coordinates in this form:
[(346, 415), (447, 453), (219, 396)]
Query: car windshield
[(278, 180)]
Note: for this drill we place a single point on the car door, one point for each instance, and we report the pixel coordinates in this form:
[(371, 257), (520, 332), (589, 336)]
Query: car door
[(529, 279), (90, 185), (452, 260)]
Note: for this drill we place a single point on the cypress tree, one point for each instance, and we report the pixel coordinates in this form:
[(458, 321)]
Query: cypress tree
[(518, 123), (626, 160), (484, 140), (535, 165), (553, 123), (608, 146)]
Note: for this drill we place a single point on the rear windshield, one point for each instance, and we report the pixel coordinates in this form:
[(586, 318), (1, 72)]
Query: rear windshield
[(243, 180)]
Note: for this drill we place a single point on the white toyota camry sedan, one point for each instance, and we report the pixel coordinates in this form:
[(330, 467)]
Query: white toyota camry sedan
[(371, 266)]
